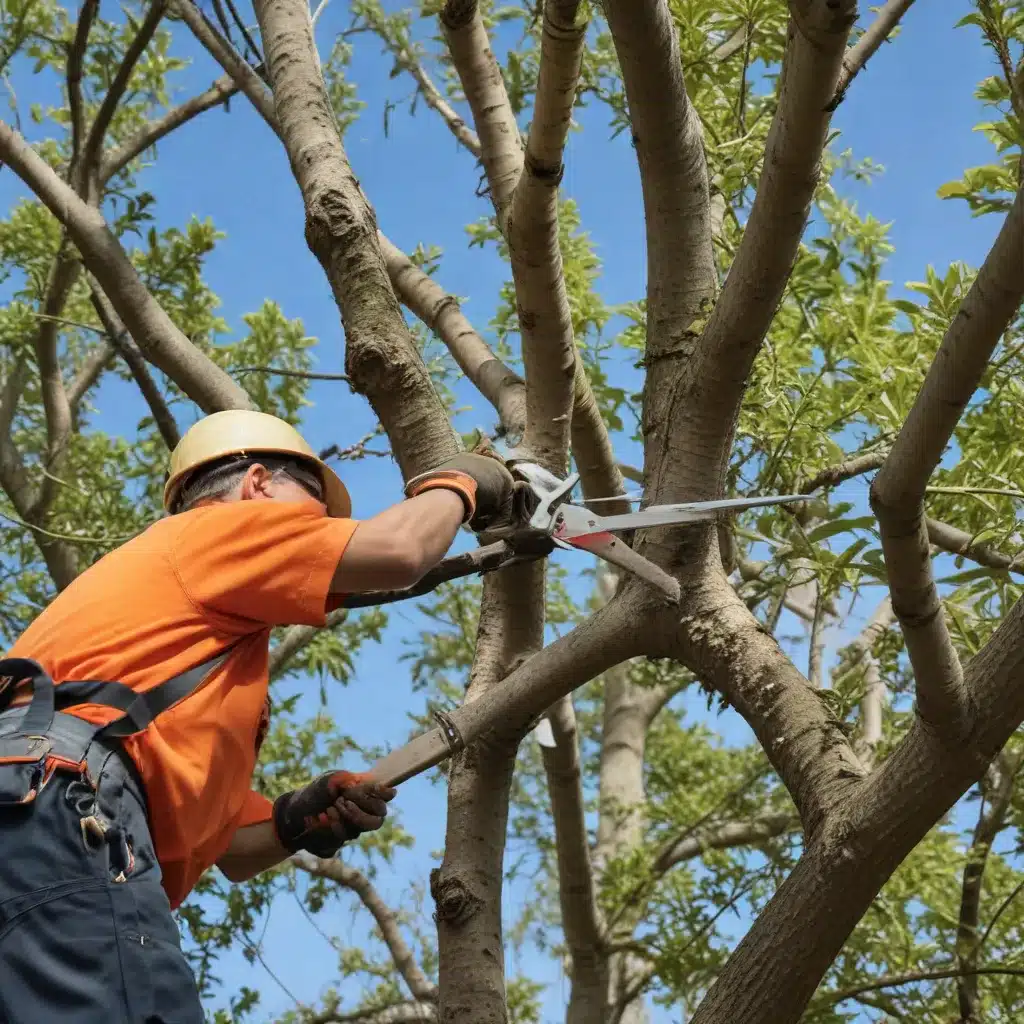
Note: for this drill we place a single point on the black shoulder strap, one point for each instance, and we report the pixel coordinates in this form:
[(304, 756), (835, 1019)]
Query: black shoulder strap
[(140, 708)]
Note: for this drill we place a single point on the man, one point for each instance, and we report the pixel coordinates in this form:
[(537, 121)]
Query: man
[(116, 795)]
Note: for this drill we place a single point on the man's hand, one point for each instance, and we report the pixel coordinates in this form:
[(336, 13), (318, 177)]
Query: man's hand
[(483, 481), (330, 811)]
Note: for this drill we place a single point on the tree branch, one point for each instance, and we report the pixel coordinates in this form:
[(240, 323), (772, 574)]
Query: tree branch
[(295, 639), (117, 159), (156, 334), (75, 58), (865, 48), (960, 542), (88, 166), (428, 301), (129, 352), (581, 918), (387, 920), (831, 476), (997, 793), (725, 836), (771, 237), (480, 74), (381, 357), (915, 977), (897, 492), (89, 372)]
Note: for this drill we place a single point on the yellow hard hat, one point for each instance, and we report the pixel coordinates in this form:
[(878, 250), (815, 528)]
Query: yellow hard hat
[(247, 433)]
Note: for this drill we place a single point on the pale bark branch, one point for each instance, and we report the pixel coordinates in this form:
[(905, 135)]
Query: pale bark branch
[(757, 276), (831, 476), (381, 357), (581, 918), (153, 330), (421, 987), (816, 642), (960, 542), (295, 639), (428, 301), (997, 793), (89, 372), (872, 703), (501, 151), (865, 48), (401, 1013), (724, 836), (897, 492), (117, 159), (126, 348)]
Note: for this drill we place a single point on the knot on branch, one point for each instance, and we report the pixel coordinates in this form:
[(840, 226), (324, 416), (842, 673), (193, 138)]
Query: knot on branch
[(455, 903), (332, 217), (547, 174), (824, 23), (458, 14)]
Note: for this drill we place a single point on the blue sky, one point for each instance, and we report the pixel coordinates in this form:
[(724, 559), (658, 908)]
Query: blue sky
[(912, 111)]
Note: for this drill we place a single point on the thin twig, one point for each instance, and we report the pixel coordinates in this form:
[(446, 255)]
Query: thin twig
[(865, 48)]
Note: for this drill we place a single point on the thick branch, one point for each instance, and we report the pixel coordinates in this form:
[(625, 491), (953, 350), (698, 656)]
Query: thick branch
[(865, 48), (387, 920), (117, 159), (381, 357), (757, 277), (997, 792), (129, 352), (440, 311), (153, 330), (88, 165), (581, 918), (480, 74), (75, 58), (295, 639), (897, 492)]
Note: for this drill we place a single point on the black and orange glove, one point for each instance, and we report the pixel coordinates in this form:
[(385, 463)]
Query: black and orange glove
[(332, 810), (482, 481)]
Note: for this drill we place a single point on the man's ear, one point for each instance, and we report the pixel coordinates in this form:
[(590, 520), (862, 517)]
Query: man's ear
[(256, 483)]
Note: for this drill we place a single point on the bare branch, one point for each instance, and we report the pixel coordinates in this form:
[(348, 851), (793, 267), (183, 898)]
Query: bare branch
[(400, 1013), (427, 300), (386, 919), (960, 542), (75, 58), (997, 793), (724, 836), (750, 570), (88, 165), (816, 641), (916, 977), (279, 371), (480, 74), (117, 159), (873, 701), (581, 918), (295, 639), (129, 352), (831, 476), (156, 334), (897, 492), (865, 48), (89, 372)]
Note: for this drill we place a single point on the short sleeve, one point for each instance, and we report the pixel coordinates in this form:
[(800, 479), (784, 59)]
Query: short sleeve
[(265, 563), (256, 810)]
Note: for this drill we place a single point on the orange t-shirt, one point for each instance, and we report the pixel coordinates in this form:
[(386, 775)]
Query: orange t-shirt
[(173, 597)]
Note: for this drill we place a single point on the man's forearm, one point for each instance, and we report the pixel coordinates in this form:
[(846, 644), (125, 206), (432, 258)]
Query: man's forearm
[(253, 849)]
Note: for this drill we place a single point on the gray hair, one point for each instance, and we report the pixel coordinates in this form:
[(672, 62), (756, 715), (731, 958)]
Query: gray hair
[(216, 479)]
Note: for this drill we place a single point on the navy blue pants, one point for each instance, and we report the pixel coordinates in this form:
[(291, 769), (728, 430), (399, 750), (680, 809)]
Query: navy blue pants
[(86, 932)]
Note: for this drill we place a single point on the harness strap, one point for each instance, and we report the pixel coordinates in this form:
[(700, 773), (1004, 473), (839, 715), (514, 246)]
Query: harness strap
[(140, 708)]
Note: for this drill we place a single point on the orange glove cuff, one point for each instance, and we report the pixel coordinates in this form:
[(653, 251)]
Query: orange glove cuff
[(450, 480)]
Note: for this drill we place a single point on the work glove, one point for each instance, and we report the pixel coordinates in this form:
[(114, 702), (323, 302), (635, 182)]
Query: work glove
[(482, 481), (332, 810)]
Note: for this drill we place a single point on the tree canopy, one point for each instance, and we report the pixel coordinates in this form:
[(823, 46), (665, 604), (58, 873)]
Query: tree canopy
[(794, 796)]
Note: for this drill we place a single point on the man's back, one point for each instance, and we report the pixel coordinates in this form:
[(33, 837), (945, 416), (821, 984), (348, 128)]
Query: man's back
[(178, 595)]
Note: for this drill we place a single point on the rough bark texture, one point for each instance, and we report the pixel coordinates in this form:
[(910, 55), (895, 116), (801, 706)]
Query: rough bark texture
[(467, 886), (381, 357)]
